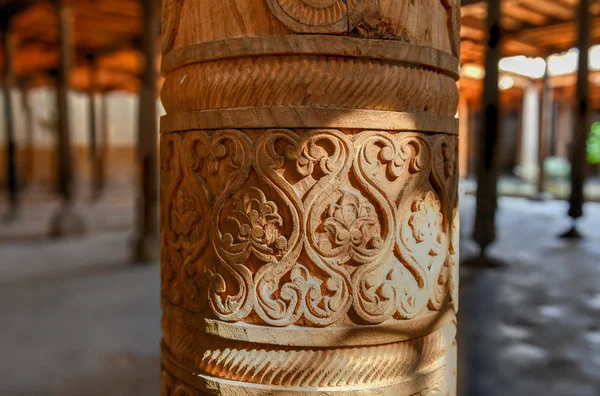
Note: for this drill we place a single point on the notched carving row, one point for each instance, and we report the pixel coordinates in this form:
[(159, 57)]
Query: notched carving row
[(282, 367)]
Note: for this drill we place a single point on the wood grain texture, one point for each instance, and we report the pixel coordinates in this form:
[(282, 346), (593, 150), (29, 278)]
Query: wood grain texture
[(309, 197), (430, 23)]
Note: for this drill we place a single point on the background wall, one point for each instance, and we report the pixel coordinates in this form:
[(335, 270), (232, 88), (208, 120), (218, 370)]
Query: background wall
[(122, 135)]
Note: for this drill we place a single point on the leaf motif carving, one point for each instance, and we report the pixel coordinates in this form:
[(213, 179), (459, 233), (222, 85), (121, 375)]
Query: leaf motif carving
[(235, 148)]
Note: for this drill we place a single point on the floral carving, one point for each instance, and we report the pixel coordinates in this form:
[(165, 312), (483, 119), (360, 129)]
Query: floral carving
[(258, 224), (351, 222), (426, 222)]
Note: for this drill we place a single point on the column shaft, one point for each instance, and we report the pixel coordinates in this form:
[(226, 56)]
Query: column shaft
[(530, 136), (309, 197), (484, 231), (581, 125), (464, 132), (66, 220), (9, 127), (146, 246), (65, 168)]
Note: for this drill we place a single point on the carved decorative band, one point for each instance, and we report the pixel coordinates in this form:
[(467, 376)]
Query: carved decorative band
[(289, 368), (431, 383), (307, 117), (309, 227), (340, 83), (197, 328), (351, 47)]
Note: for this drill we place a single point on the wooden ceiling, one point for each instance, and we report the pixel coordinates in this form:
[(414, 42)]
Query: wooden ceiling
[(107, 30), (111, 30), (532, 27)]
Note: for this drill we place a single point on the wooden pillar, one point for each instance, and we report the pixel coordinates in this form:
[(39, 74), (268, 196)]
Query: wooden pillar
[(65, 221), (484, 231), (581, 127), (564, 127), (102, 147), (464, 134), (28, 157), (474, 138), (147, 242), (544, 130), (519, 145), (94, 152), (9, 125), (309, 197)]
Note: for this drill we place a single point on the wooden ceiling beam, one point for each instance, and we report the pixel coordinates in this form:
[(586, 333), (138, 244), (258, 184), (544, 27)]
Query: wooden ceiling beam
[(525, 15), (550, 8)]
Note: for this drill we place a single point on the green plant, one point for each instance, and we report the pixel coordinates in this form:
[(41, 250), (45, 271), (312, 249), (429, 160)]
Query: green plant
[(593, 144)]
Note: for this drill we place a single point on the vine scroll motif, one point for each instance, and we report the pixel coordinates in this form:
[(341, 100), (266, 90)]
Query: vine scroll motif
[(393, 169), (236, 147), (320, 158), (185, 219), (192, 171)]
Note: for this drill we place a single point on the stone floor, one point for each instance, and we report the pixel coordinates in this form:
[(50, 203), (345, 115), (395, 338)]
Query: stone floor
[(533, 328), (79, 319)]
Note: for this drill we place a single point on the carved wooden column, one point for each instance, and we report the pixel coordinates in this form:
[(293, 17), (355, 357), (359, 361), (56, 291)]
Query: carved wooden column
[(309, 197)]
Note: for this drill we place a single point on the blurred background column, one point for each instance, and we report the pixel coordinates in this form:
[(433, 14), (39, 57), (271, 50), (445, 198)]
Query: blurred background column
[(546, 108), (28, 156), (530, 131), (146, 229), (12, 184), (66, 220), (581, 125), (484, 231), (94, 152), (463, 140)]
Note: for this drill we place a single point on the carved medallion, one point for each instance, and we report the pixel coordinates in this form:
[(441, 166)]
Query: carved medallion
[(312, 16)]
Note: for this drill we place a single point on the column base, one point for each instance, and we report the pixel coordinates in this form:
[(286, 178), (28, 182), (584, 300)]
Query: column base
[(66, 221), (431, 382), (233, 359), (146, 249)]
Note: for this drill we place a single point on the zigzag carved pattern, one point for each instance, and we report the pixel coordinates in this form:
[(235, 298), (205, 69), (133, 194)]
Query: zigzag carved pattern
[(280, 366), (348, 83)]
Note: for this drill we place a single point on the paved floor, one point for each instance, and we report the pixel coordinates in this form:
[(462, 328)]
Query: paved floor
[(78, 319), (533, 328), (112, 211)]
